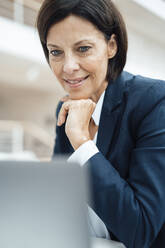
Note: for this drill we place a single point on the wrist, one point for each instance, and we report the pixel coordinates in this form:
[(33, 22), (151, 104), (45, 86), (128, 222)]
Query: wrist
[(80, 142)]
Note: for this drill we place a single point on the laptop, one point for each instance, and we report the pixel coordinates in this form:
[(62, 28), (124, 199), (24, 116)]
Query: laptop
[(43, 205)]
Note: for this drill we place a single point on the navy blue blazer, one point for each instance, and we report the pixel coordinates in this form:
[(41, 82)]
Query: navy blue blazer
[(128, 174)]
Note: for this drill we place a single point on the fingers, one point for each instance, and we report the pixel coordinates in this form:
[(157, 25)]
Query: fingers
[(62, 114), (65, 98), (82, 108)]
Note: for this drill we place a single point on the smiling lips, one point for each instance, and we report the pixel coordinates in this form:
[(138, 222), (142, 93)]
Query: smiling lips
[(75, 82)]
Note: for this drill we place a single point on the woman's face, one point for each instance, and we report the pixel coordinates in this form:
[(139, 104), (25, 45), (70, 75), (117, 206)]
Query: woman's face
[(78, 57)]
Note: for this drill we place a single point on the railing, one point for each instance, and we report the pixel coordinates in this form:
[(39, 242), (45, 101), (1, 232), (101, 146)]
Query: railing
[(16, 137), (23, 11)]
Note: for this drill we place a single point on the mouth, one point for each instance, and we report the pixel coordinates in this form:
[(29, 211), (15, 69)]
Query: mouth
[(73, 83)]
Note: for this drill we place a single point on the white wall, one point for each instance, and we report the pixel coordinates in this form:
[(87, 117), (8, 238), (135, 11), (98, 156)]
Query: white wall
[(145, 56), (146, 48)]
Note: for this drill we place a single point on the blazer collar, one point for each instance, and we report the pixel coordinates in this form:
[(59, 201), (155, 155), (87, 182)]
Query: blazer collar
[(111, 110)]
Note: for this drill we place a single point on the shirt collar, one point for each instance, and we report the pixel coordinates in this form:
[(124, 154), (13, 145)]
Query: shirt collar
[(97, 112)]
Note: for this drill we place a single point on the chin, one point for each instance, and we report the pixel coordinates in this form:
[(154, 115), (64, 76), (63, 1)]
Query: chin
[(78, 96)]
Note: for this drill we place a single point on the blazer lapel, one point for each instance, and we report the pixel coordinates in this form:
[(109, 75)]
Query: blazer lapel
[(110, 114)]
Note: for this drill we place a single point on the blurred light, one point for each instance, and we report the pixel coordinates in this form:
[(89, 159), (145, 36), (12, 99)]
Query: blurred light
[(33, 73), (157, 7), (20, 40)]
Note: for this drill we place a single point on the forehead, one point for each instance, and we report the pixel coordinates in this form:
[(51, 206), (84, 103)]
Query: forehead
[(72, 29)]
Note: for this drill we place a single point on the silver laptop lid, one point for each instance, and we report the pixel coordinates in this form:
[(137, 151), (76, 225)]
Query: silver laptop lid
[(42, 205)]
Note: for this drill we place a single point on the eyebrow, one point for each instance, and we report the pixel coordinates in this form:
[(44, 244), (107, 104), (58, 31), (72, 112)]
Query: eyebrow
[(76, 44), (52, 45), (81, 41)]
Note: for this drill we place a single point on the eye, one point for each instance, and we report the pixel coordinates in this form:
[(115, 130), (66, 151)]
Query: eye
[(83, 49), (56, 53)]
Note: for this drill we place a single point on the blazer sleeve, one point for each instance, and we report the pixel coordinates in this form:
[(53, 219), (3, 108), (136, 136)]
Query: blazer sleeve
[(134, 209)]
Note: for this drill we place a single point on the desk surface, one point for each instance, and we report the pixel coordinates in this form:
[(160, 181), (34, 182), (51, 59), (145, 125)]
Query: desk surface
[(104, 243)]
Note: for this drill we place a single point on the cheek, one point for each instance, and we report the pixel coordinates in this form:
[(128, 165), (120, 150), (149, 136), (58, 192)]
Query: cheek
[(98, 60), (55, 68), (97, 66)]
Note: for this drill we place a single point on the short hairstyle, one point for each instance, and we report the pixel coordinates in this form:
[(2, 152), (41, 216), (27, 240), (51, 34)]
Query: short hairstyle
[(102, 13)]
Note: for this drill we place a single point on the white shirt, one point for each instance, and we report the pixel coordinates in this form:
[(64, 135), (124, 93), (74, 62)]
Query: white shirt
[(81, 155)]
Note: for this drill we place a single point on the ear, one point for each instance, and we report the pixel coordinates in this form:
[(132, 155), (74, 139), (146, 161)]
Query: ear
[(112, 47)]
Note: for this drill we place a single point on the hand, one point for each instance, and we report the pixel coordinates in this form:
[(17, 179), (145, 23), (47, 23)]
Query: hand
[(77, 114)]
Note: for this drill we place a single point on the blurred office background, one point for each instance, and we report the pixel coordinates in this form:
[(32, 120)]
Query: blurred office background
[(29, 92)]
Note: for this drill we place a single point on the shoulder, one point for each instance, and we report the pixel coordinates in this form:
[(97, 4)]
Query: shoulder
[(144, 86), (135, 91), (143, 91), (142, 97)]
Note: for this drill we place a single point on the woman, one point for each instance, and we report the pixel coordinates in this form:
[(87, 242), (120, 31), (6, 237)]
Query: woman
[(111, 119)]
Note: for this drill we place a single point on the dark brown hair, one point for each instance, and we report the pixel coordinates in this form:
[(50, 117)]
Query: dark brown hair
[(102, 13)]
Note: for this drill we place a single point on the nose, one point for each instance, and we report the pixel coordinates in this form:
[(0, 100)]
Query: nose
[(71, 64)]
